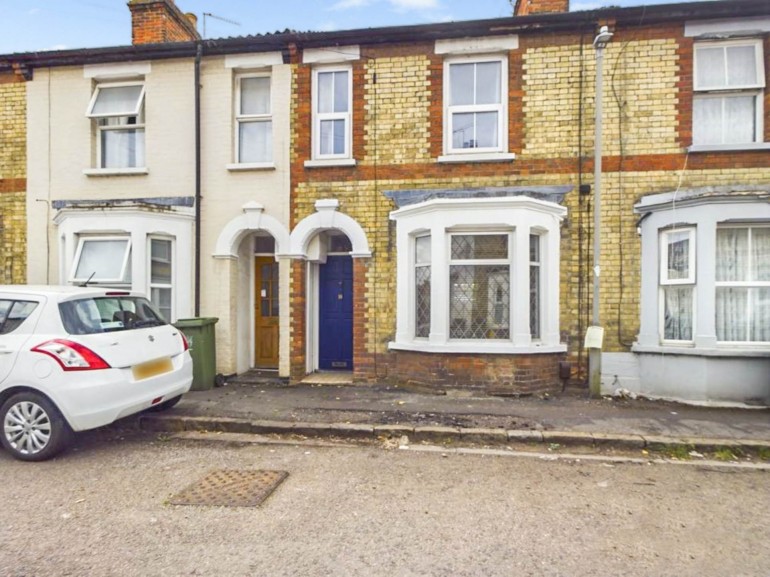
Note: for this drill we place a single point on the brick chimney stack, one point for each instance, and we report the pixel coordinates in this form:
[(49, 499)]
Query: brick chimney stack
[(157, 21), (524, 7)]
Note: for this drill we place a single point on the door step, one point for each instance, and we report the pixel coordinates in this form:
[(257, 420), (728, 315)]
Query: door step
[(258, 377), (329, 378)]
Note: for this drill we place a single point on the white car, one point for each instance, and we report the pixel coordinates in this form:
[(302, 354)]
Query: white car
[(76, 358)]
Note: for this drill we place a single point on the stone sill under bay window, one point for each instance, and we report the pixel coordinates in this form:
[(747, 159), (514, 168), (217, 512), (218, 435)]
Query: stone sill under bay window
[(115, 171), (747, 351), (487, 347)]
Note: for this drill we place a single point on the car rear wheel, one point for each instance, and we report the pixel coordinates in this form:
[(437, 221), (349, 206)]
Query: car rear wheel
[(33, 428)]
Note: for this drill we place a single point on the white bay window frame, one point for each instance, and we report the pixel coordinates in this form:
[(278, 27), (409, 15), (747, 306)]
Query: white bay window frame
[(708, 213), (139, 226), (748, 283), (722, 89), (98, 275), (153, 283), (672, 281), (516, 216)]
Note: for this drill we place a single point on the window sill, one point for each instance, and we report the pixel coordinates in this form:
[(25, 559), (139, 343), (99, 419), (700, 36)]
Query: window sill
[(247, 166), (746, 351), (491, 347), (115, 171), (478, 157), (748, 147), (318, 163)]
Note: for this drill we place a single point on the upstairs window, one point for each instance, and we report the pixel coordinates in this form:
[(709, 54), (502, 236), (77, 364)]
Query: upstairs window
[(332, 119), (118, 113), (254, 138), (475, 118), (729, 83)]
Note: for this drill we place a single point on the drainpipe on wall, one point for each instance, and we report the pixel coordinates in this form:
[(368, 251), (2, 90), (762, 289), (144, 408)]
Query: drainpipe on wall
[(198, 55)]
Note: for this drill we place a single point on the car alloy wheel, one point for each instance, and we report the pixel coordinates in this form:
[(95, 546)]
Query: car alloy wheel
[(33, 428)]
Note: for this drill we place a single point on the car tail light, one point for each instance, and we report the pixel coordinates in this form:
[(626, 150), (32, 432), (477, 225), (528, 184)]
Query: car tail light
[(72, 356), (184, 340)]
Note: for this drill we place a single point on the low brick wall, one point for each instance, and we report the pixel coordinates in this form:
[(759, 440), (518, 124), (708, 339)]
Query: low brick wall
[(496, 374)]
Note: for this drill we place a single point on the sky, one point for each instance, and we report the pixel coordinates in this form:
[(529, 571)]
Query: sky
[(37, 25)]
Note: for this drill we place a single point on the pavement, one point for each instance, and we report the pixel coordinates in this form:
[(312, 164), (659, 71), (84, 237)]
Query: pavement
[(377, 412)]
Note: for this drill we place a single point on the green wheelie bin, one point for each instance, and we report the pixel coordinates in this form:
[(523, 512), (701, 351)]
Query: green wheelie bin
[(201, 338)]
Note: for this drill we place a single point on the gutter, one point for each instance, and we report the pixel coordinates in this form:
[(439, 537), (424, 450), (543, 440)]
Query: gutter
[(535, 23), (198, 196)]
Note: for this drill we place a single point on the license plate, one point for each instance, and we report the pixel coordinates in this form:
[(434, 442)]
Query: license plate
[(152, 368)]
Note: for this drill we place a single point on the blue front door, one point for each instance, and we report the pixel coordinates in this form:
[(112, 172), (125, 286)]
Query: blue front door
[(335, 349)]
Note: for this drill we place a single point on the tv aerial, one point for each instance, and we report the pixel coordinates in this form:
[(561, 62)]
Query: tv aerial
[(215, 17)]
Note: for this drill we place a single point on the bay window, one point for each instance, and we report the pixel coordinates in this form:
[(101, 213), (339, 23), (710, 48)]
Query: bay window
[(161, 276), (677, 281), (743, 284), (477, 274), (105, 260), (479, 286), (422, 286)]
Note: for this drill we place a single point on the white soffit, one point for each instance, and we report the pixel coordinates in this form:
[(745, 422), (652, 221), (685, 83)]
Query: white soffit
[(331, 54), (117, 70), (696, 28), (261, 60), (477, 45)]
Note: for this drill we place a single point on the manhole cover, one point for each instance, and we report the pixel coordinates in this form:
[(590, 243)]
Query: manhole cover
[(231, 489)]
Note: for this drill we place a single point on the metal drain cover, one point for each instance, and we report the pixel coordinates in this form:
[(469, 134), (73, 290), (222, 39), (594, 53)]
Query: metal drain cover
[(229, 488)]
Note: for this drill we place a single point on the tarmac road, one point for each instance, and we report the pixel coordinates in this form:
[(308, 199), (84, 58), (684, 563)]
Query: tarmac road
[(103, 510)]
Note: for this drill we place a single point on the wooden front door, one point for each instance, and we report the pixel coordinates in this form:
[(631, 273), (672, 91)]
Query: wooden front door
[(266, 312)]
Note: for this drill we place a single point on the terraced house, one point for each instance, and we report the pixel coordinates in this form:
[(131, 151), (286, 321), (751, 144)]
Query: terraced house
[(416, 204)]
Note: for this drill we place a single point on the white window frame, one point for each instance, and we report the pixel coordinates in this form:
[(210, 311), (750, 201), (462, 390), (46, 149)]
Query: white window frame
[(517, 216), (252, 118), (319, 117), (664, 268), (536, 267), (101, 280), (664, 281), (170, 286), (723, 93), (749, 284), (507, 262), (137, 111), (417, 265), (500, 108)]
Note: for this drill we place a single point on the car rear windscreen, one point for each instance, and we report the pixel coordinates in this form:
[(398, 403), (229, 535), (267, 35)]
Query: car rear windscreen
[(108, 314)]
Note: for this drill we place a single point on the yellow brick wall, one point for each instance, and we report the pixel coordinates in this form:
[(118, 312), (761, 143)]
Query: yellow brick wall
[(13, 130), (13, 171), (640, 99), (397, 104)]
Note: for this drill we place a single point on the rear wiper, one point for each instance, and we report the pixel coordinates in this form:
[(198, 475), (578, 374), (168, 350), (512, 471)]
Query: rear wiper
[(147, 323)]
